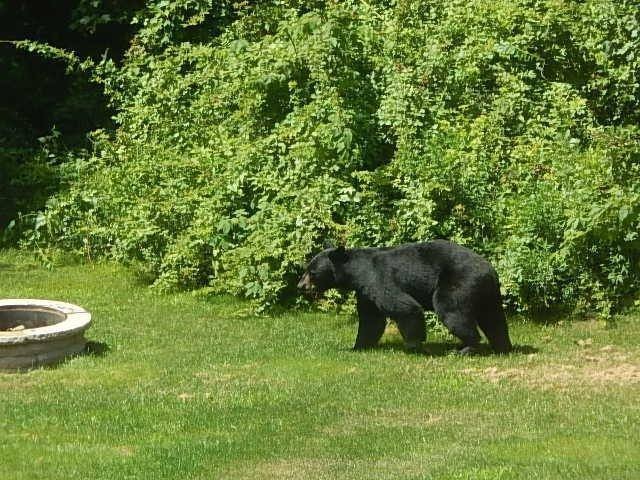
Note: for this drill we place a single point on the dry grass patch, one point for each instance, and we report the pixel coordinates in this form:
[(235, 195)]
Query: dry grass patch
[(587, 368)]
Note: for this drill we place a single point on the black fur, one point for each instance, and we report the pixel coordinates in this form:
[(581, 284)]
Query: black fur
[(402, 282)]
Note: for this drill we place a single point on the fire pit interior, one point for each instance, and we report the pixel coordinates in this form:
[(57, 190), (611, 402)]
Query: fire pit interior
[(15, 318)]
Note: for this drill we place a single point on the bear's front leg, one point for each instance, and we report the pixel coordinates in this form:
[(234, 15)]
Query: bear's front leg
[(371, 324)]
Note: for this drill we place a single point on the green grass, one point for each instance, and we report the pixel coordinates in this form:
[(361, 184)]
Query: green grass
[(179, 387)]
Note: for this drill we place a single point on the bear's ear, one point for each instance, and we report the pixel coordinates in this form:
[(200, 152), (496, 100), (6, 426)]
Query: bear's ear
[(339, 255)]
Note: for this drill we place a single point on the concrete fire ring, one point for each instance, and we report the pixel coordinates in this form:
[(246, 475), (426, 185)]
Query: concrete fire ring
[(40, 332)]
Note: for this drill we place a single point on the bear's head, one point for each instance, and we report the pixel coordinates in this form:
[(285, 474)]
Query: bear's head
[(323, 272)]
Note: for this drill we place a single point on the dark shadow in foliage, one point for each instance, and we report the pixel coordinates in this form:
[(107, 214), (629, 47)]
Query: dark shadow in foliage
[(38, 97), (143, 276)]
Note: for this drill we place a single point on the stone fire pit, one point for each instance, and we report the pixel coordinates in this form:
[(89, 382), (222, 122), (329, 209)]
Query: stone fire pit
[(39, 332)]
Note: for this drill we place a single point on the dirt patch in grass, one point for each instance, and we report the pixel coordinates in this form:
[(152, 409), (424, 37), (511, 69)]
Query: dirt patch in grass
[(606, 366)]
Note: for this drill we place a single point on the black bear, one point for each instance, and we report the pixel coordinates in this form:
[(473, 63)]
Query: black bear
[(401, 282)]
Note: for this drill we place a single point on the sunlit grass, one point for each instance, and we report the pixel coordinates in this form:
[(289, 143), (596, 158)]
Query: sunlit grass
[(179, 387)]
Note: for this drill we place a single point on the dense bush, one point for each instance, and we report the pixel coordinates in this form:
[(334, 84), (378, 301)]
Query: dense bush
[(508, 126)]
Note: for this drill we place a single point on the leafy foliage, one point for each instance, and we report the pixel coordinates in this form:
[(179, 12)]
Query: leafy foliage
[(511, 127)]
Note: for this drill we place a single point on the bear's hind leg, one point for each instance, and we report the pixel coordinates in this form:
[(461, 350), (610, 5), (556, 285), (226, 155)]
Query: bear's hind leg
[(465, 330), (371, 325), (460, 323), (493, 324)]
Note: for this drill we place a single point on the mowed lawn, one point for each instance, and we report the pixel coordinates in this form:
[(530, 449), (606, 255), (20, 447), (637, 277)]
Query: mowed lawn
[(177, 386)]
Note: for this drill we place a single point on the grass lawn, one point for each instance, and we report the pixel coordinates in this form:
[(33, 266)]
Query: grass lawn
[(180, 387)]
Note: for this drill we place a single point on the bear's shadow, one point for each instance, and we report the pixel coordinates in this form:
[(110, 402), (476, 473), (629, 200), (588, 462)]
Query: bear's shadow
[(444, 349)]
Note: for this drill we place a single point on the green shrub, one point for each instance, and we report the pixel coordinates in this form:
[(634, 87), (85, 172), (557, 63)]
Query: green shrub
[(511, 127)]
